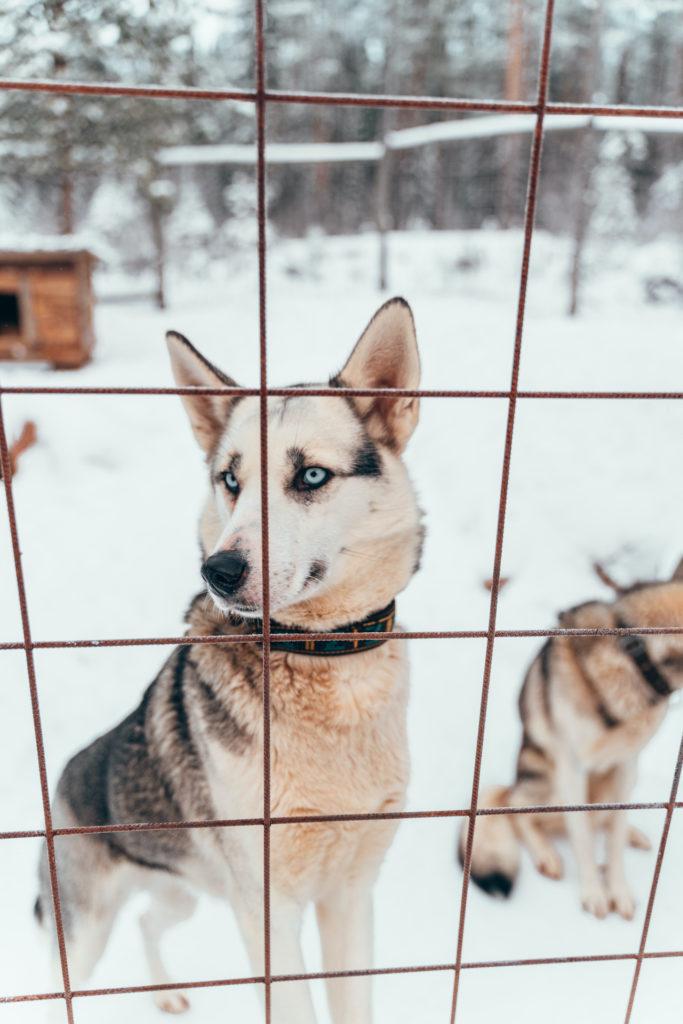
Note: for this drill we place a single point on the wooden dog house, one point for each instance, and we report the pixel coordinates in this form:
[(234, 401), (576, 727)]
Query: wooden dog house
[(46, 305)]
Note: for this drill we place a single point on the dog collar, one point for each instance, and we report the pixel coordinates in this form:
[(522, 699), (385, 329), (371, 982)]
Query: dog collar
[(635, 648), (366, 638)]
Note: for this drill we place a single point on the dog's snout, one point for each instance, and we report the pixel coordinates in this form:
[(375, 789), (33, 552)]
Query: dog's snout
[(225, 571)]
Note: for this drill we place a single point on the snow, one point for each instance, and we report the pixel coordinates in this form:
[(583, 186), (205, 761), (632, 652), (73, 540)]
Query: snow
[(107, 504)]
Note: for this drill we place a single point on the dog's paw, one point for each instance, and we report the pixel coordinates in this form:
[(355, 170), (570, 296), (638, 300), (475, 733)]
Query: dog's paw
[(171, 1002), (594, 899), (621, 900), (549, 864), (638, 839)]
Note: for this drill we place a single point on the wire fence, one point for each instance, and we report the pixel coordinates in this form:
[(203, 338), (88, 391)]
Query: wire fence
[(261, 97)]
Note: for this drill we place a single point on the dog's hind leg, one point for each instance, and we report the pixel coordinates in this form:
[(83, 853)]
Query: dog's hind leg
[(92, 888), (533, 787), (170, 903), (539, 846)]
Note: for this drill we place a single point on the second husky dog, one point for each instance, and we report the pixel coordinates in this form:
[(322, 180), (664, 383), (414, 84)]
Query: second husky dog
[(589, 705), (345, 538)]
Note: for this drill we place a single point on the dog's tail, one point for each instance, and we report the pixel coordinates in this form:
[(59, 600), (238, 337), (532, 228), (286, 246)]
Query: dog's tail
[(38, 910), (495, 850)]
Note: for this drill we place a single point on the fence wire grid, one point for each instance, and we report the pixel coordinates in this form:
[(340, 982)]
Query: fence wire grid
[(261, 97)]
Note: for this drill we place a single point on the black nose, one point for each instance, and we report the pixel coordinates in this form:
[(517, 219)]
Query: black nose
[(225, 571)]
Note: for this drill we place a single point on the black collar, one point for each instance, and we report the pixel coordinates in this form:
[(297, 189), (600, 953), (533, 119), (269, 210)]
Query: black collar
[(634, 647), (367, 630)]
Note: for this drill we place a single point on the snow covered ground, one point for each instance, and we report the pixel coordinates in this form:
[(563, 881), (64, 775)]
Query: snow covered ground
[(107, 505)]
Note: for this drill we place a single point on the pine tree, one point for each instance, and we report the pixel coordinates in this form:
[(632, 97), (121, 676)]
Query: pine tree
[(61, 144)]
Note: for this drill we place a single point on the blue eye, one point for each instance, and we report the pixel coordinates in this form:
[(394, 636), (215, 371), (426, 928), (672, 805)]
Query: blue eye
[(313, 477), (231, 482)]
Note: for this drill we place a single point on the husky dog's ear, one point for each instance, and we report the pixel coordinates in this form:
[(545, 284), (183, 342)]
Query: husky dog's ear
[(386, 356), (678, 572), (208, 413), (589, 615)]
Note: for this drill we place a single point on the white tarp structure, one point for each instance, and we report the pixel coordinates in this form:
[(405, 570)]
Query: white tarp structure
[(276, 153), (489, 126)]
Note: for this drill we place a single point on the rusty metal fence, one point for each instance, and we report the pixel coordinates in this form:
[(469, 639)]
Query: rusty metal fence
[(262, 97)]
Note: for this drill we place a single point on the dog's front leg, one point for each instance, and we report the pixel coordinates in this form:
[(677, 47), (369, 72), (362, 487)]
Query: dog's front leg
[(572, 787), (614, 746), (617, 828), (345, 920), (290, 1001)]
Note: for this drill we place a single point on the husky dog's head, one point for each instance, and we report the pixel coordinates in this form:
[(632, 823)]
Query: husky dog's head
[(344, 525), (658, 605), (651, 604)]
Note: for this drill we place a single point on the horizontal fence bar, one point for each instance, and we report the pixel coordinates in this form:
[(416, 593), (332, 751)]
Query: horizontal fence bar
[(333, 99), (250, 638), (326, 392), (497, 106), (472, 965), (348, 99), (153, 92), (615, 109), (323, 819)]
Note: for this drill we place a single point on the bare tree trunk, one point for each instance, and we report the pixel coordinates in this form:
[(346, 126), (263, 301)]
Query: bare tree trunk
[(385, 165), (515, 57), (66, 178), (66, 224), (512, 146), (584, 165)]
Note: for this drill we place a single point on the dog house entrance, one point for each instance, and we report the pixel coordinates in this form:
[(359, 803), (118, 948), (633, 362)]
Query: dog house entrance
[(9, 313)]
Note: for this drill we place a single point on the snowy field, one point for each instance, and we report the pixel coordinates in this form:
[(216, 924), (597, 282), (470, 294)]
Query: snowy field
[(107, 505)]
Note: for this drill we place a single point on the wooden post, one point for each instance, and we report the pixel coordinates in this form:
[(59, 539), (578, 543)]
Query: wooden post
[(158, 239), (321, 172), (382, 215), (584, 165), (158, 194)]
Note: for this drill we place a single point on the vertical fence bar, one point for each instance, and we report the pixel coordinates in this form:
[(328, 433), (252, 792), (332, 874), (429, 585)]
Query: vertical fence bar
[(259, 11), (35, 710), (529, 216), (655, 882)]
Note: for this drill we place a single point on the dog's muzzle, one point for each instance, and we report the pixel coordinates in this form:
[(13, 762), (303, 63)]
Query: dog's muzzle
[(225, 571)]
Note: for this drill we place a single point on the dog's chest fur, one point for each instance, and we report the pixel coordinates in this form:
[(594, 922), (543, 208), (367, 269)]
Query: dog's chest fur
[(337, 746)]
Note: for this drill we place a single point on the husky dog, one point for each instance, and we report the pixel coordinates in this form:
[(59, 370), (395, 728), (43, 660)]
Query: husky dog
[(589, 704), (345, 538)]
